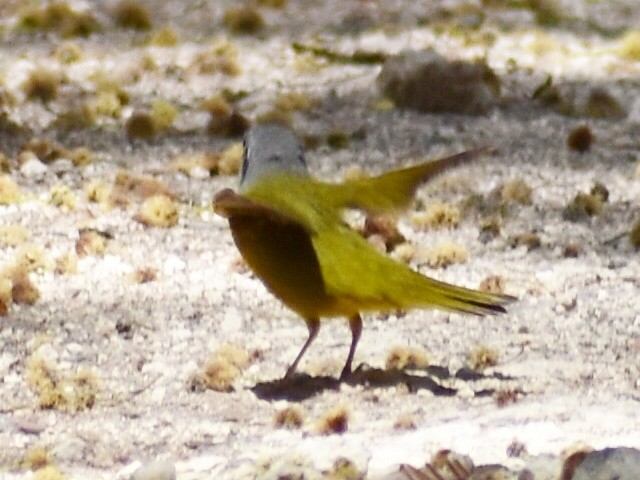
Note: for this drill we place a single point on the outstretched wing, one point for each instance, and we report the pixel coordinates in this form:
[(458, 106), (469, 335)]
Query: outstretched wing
[(394, 190)]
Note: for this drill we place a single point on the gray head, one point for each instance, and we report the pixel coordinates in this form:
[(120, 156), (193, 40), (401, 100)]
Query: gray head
[(271, 148)]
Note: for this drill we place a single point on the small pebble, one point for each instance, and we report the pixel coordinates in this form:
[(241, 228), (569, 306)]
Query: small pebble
[(155, 470)]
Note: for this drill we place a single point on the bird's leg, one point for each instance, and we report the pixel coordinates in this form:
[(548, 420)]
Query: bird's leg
[(355, 323), (313, 324)]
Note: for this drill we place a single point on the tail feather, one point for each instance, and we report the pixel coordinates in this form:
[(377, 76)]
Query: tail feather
[(430, 292)]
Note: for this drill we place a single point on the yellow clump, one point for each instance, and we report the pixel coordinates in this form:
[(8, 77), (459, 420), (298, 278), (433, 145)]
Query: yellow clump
[(91, 242), (490, 227), (78, 115), (68, 52), (438, 215), (98, 191), (5, 163), (600, 190), (69, 393), (217, 105), (104, 81), (144, 275), (547, 12), (401, 358), (228, 126), (59, 17), (164, 37), (483, 357), (543, 43), (9, 190), (42, 84), (158, 211), (275, 115), (106, 103), (384, 228), (492, 284), (148, 63), (164, 113), (231, 159), (307, 63), (81, 156), (234, 354), (13, 235), (130, 14), (128, 183), (30, 257), (343, 469), (404, 252), (63, 197), (85, 388), (405, 421), (583, 205), (221, 58), (516, 191), (66, 264), (290, 417), (219, 374), (630, 45), (6, 295), (601, 103), (445, 254), (243, 20), (188, 163), (294, 101), (36, 457), (336, 420), (23, 290), (383, 104), (222, 370), (46, 150), (50, 472), (531, 240)]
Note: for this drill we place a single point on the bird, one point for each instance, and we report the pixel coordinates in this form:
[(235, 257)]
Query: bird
[(289, 229)]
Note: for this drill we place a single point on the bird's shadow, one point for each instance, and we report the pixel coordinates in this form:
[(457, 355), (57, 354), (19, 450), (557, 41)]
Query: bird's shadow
[(302, 386)]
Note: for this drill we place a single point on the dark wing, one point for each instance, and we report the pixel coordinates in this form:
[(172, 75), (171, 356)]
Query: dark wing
[(228, 204)]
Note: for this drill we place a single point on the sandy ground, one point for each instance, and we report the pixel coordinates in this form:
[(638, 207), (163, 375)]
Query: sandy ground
[(569, 349)]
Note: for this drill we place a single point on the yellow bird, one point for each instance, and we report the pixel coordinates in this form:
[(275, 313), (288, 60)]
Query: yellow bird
[(289, 229)]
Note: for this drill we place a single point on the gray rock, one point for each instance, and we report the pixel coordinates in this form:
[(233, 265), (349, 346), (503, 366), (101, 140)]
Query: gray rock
[(429, 82), (620, 463), (542, 467), (155, 470), (289, 466)]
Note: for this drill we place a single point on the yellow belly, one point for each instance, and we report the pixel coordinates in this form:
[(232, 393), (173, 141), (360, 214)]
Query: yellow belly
[(283, 257)]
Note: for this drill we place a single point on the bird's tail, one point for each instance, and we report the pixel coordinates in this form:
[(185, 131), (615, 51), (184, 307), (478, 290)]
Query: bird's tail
[(428, 292)]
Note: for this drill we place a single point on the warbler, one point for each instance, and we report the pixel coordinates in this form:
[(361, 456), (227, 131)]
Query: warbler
[(289, 229)]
